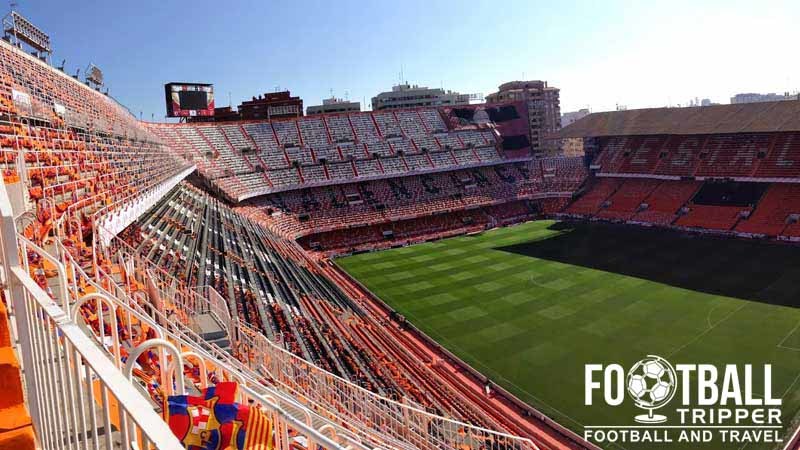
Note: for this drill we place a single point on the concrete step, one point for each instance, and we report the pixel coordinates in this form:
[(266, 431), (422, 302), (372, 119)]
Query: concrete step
[(209, 328), (223, 343)]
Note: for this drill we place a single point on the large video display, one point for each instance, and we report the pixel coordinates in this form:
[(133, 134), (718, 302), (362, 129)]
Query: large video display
[(189, 99)]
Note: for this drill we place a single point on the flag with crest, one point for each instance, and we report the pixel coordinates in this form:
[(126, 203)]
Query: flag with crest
[(214, 421)]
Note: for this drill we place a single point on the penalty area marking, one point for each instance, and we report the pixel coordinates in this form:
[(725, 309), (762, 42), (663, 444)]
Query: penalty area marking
[(707, 330), (785, 338)]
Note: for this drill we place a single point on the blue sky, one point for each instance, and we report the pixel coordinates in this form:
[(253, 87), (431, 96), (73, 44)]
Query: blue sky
[(600, 53)]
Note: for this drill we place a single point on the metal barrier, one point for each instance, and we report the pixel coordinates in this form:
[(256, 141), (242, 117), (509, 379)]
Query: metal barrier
[(79, 395), (252, 376), (372, 416), (294, 415), (74, 385), (71, 383)]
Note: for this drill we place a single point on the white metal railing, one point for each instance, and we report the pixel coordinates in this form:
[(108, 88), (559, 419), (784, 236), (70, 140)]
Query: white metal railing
[(70, 382), (74, 384), (80, 396), (298, 417), (370, 414), (259, 348), (295, 415)]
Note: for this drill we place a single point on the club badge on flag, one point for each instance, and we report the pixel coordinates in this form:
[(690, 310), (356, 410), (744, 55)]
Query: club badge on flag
[(214, 421)]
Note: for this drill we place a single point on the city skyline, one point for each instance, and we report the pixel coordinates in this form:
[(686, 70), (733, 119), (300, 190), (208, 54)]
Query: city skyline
[(649, 57)]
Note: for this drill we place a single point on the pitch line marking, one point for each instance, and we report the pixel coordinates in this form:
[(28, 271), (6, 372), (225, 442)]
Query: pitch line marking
[(707, 330), (791, 332), (708, 317), (790, 386), (781, 346)]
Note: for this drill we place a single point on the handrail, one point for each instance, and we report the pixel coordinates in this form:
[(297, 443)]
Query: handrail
[(102, 300), (177, 359), (285, 368), (37, 309), (131, 307), (24, 245), (248, 383)]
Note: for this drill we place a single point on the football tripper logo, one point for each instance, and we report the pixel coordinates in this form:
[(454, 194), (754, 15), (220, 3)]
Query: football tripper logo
[(651, 383)]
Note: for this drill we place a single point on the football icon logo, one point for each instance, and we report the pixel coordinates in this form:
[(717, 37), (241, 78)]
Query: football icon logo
[(651, 383)]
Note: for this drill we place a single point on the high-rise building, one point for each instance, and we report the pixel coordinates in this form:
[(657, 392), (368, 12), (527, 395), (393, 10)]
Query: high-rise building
[(333, 105), (544, 112), (272, 105), (413, 96), (751, 97)]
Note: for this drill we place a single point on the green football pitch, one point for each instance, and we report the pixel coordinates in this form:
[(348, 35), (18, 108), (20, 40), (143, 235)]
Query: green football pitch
[(529, 305)]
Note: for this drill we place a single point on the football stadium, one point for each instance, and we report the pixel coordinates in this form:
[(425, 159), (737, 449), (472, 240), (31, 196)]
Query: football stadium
[(415, 276)]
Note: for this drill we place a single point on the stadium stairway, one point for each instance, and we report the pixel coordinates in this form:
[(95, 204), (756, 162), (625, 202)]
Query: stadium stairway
[(212, 332)]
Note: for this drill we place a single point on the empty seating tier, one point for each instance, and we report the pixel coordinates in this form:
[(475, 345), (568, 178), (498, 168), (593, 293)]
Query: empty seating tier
[(249, 159), (776, 211), (592, 200), (628, 199), (741, 155), (327, 208), (711, 217), (744, 182), (662, 205)]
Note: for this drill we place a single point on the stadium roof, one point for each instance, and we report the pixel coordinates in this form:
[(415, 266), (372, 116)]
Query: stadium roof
[(740, 118)]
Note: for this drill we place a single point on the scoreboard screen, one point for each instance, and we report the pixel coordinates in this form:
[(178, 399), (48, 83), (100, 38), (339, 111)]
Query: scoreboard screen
[(189, 99)]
